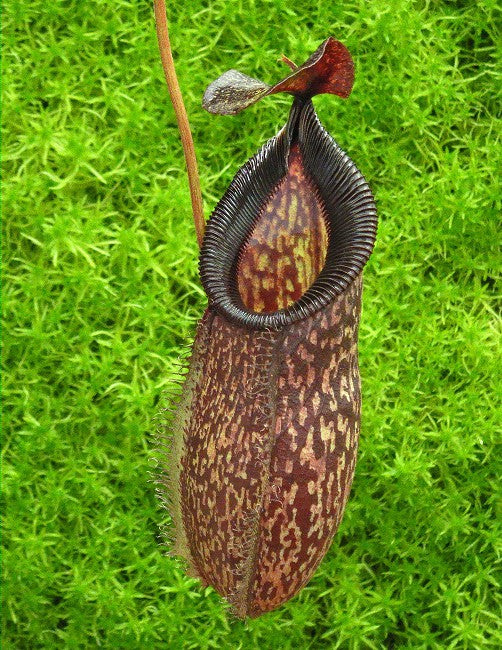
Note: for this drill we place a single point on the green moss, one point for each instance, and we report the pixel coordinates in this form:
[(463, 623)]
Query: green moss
[(101, 292)]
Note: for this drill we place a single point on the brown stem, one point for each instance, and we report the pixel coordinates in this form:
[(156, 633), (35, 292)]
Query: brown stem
[(288, 62), (181, 117)]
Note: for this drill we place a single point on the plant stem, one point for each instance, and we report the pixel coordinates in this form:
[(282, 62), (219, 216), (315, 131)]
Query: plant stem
[(181, 117), (288, 62)]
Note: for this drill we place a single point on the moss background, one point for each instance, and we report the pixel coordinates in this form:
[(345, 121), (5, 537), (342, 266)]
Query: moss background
[(101, 292)]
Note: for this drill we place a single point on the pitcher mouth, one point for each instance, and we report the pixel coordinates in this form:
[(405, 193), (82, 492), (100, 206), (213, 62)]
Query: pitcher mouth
[(348, 209)]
